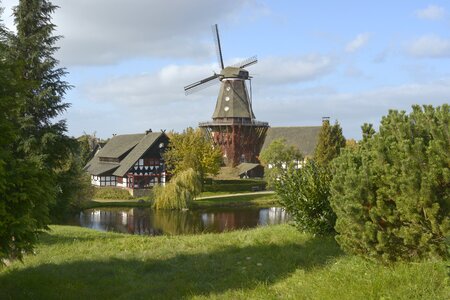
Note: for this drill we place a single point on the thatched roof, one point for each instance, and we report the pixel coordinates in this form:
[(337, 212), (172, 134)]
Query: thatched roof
[(126, 149), (120, 144), (304, 138), (146, 143), (96, 167), (245, 167)]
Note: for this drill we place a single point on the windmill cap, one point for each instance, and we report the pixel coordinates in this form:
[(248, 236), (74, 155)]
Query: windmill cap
[(234, 72)]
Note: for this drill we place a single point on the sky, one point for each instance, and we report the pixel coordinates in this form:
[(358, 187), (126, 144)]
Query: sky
[(352, 61)]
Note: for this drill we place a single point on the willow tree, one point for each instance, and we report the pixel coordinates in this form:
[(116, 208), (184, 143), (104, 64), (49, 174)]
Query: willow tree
[(179, 192)]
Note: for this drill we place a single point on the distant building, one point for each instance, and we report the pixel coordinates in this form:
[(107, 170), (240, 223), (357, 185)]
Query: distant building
[(250, 170), (304, 138), (130, 161)]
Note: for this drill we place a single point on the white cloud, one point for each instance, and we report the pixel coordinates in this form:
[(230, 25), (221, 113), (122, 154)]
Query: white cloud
[(431, 46), (135, 103), (148, 90), (109, 31), (299, 107), (168, 82), (284, 70), (432, 12), (357, 43), (157, 100)]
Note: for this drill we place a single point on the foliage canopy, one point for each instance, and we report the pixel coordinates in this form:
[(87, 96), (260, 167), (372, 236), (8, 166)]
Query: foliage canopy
[(277, 157), (192, 150)]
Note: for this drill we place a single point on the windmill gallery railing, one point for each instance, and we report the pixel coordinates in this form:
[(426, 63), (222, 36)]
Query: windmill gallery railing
[(234, 121)]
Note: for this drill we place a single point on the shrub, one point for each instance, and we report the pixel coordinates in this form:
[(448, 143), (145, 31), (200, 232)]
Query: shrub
[(234, 185), (109, 193), (179, 192), (304, 193), (391, 193)]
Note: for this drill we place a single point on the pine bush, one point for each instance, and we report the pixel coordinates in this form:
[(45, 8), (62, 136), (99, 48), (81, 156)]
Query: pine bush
[(391, 193)]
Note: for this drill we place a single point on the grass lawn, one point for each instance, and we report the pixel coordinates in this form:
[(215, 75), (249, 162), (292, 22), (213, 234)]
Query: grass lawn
[(273, 262)]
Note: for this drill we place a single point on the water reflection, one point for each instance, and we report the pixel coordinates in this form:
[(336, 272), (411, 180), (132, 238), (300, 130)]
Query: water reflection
[(146, 221)]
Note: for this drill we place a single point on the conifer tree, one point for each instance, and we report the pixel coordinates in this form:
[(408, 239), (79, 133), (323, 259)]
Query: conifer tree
[(44, 139), (391, 194), (24, 186), (330, 142), (34, 47)]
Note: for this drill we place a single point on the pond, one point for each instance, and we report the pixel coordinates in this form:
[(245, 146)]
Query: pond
[(146, 221)]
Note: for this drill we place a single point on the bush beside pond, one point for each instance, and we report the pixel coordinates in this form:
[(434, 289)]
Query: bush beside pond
[(108, 193)]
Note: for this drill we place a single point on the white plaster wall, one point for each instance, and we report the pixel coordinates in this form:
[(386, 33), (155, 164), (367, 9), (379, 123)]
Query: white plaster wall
[(95, 180)]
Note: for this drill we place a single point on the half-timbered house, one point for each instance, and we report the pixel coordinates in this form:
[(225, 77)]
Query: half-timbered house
[(130, 161)]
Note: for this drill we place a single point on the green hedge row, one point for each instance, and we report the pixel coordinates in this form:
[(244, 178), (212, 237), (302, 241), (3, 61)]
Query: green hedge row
[(235, 187), (111, 193), (210, 181)]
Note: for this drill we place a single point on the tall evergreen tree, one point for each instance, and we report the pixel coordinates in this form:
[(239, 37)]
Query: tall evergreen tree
[(24, 186), (330, 142), (44, 139), (34, 47)]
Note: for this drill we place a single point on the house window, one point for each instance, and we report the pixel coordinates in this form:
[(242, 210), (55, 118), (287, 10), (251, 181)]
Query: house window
[(107, 180)]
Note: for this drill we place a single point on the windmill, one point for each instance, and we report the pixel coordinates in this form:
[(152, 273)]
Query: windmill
[(233, 125)]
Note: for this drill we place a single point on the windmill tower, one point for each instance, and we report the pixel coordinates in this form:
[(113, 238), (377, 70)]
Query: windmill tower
[(233, 126)]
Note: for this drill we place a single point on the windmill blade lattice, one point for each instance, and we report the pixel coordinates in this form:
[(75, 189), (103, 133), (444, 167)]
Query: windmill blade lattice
[(215, 30), (189, 89), (247, 62)]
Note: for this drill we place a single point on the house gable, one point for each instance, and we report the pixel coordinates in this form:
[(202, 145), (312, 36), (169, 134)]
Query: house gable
[(148, 143)]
